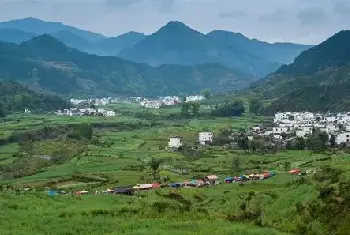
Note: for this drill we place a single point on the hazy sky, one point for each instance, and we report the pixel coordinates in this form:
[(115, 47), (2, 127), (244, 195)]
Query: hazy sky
[(303, 21)]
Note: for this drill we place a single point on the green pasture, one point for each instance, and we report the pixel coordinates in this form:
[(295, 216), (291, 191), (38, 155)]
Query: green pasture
[(119, 154)]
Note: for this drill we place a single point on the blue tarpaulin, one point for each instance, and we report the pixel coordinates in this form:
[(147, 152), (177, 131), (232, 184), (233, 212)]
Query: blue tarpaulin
[(52, 193), (175, 185), (229, 179)]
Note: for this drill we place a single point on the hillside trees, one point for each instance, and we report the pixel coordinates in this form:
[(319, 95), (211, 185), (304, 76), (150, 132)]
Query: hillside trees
[(255, 106), (154, 165), (229, 109), (188, 107), (82, 131), (207, 94), (15, 97)]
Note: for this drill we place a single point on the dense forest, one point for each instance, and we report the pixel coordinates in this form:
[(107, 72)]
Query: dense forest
[(15, 97)]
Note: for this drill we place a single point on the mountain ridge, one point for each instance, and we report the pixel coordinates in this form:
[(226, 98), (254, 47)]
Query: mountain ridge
[(176, 43), (48, 64)]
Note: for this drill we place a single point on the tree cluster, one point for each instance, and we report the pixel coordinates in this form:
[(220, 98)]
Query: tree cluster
[(190, 108), (15, 97), (230, 109)]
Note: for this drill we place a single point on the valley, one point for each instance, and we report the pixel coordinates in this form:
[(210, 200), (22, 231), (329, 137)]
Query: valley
[(186, 129)]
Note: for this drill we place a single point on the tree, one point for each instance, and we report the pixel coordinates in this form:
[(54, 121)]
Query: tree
[(243, 142), (195, 108), (255, 106), (300, 143), (236, 164), (82, 131), (332, 141), (227, 109), (287, 165), (317, 141), (206, 93), (256, 144), (155, 164), (2, 110), (185, 109)]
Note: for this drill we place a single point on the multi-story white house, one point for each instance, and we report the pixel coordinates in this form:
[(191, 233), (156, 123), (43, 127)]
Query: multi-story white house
[(194, 98), (343, 137), (174, 142), (280, 130), (205, 137)]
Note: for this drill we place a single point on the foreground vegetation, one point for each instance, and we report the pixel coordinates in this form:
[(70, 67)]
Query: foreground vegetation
[(95, 153)]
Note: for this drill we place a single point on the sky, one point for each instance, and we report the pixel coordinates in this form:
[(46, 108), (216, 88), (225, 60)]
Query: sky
[(299, 21)]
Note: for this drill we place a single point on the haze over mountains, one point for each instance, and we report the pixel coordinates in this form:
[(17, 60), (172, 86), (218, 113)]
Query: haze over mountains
[(175, 43)]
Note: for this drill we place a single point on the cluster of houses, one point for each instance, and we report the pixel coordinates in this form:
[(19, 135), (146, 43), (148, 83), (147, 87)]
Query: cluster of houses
[(203, 139), (161, 101), (165, 101), (194, 98), (302, 124), (96, 101), (86, 112)]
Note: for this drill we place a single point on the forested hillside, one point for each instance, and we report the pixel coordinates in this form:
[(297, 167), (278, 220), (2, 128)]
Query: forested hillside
[(46, 63), (318, 80), (15, 97)]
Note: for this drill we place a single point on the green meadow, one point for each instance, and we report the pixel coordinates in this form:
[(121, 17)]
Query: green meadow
[(119, 154)]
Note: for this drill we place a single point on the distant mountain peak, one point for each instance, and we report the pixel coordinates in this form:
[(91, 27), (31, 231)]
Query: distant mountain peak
[(45, 41), (175, 25)]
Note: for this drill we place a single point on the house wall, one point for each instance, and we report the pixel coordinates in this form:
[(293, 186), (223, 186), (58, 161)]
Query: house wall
[(174, 142), (205, 137)]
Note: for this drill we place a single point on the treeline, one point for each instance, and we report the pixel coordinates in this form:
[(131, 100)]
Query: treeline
[(15, 97)]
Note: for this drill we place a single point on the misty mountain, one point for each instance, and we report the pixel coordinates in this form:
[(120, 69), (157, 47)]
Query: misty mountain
[(15, 35), (47, 64), (176, 43), (282, 53), (38, 27)]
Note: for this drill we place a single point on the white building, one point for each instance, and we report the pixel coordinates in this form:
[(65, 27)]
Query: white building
[(343, 137), (174, 142), (205, 137), (151, 104), (277, 137), (110, 114), (194, 98), (330, 128), (279, 130)]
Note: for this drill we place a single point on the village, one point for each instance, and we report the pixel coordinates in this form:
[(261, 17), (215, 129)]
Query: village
[(302, 125), (285, 128), (167, 101), (86, 112)]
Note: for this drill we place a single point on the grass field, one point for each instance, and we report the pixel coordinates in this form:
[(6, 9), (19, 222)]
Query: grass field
[(118, 154)]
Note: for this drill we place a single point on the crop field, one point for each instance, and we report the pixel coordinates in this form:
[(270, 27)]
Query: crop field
[(119, 153)]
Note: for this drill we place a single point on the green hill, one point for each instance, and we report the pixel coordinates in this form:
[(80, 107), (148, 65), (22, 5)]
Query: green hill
[(15, 97), (176, 43), (48, 64), (318, 80)]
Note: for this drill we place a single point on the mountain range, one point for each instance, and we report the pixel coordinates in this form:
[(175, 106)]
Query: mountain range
[(317, 80), (45, 63), (174, 43)]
